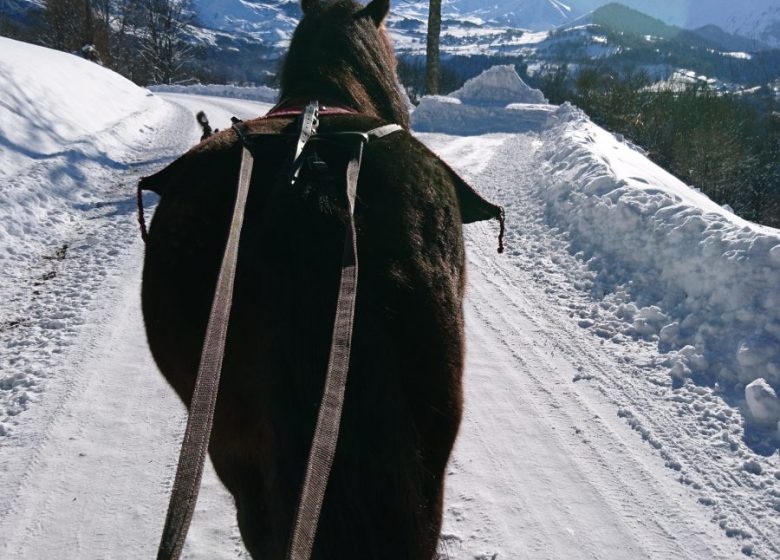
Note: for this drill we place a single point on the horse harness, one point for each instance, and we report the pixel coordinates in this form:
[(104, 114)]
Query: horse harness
[(201, 415)]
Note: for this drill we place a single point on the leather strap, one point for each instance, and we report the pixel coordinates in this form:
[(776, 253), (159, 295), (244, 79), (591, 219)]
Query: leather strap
[(201, 417), (383, 131), (323, 449), (326, 433), (297, 105)]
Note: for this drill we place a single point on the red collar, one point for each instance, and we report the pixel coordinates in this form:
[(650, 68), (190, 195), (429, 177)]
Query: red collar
[(296, 106)]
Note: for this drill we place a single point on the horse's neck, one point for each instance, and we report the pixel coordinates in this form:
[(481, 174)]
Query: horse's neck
[(351, 94)]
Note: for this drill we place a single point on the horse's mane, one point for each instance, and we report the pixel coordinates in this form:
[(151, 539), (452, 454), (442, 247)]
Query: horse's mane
[(341, 53)]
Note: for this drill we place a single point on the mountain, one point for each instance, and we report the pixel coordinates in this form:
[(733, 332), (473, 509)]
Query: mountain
[(755, 19), (612, 37), (273, 21), (242, 40), (624, 20), (626, 40), (270, 22), (18, 16), (534, 15), (730, 41)]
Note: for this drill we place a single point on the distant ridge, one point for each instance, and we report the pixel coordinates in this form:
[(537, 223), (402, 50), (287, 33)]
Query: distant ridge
[(731, 41), (622, 19)]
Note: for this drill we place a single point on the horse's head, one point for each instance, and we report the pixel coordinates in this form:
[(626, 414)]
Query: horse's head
[(341, 52)]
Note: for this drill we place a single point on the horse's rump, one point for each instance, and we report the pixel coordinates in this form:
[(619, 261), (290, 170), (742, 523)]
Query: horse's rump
[(403, 401)]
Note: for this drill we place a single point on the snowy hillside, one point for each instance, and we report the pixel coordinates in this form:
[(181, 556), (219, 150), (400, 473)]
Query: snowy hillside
[(756, 19), (623, 355), (534, 15), (266, 22)]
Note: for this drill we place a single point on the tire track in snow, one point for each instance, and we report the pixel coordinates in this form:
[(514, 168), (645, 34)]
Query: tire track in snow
[(66, 311), (572, 501), (87, 469)]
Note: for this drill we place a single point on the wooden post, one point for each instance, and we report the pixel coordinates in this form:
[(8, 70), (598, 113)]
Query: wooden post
[(433, 70)]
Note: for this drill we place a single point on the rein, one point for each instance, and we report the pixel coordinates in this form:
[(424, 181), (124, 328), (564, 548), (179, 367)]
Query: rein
[(201, 416)]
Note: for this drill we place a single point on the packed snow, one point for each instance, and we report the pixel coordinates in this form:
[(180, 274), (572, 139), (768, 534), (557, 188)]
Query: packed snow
[(623, 355), (763, 403), (498, 86), (700, 276), (55, 130), (264, 94)]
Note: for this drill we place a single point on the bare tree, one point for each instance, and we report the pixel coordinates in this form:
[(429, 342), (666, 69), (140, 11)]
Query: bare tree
[(63, 24), (433, 69), (88, 29), (70, 25), (163, 46), (126, 21)]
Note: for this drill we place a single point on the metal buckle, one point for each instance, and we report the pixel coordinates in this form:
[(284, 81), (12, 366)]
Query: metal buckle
[(310, 121)]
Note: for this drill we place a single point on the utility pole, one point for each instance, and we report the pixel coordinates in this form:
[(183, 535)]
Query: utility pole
[(432, 67)]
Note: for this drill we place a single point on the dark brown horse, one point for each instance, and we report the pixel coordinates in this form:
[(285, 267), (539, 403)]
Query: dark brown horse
[(404, 397)]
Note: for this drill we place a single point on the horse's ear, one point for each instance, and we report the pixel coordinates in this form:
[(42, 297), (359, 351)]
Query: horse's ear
[(306, 5), (376, 10)]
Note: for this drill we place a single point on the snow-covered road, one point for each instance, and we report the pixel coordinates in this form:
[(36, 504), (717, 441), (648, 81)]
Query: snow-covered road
[(574, 445), (543, 467), (86, 470)]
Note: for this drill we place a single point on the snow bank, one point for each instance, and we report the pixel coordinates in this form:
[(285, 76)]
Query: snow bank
[(60, 114), (671, 264), (51, 98), (495, 101), (259, 93)]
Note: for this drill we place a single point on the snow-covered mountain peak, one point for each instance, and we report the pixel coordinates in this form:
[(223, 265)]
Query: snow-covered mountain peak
[(534, 15), (269, 22)]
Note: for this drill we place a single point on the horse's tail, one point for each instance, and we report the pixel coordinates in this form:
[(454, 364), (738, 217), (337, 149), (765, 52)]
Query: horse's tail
[(203, 121)]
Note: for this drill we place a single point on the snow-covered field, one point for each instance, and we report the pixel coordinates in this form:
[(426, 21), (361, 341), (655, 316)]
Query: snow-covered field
[(610, 349)]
